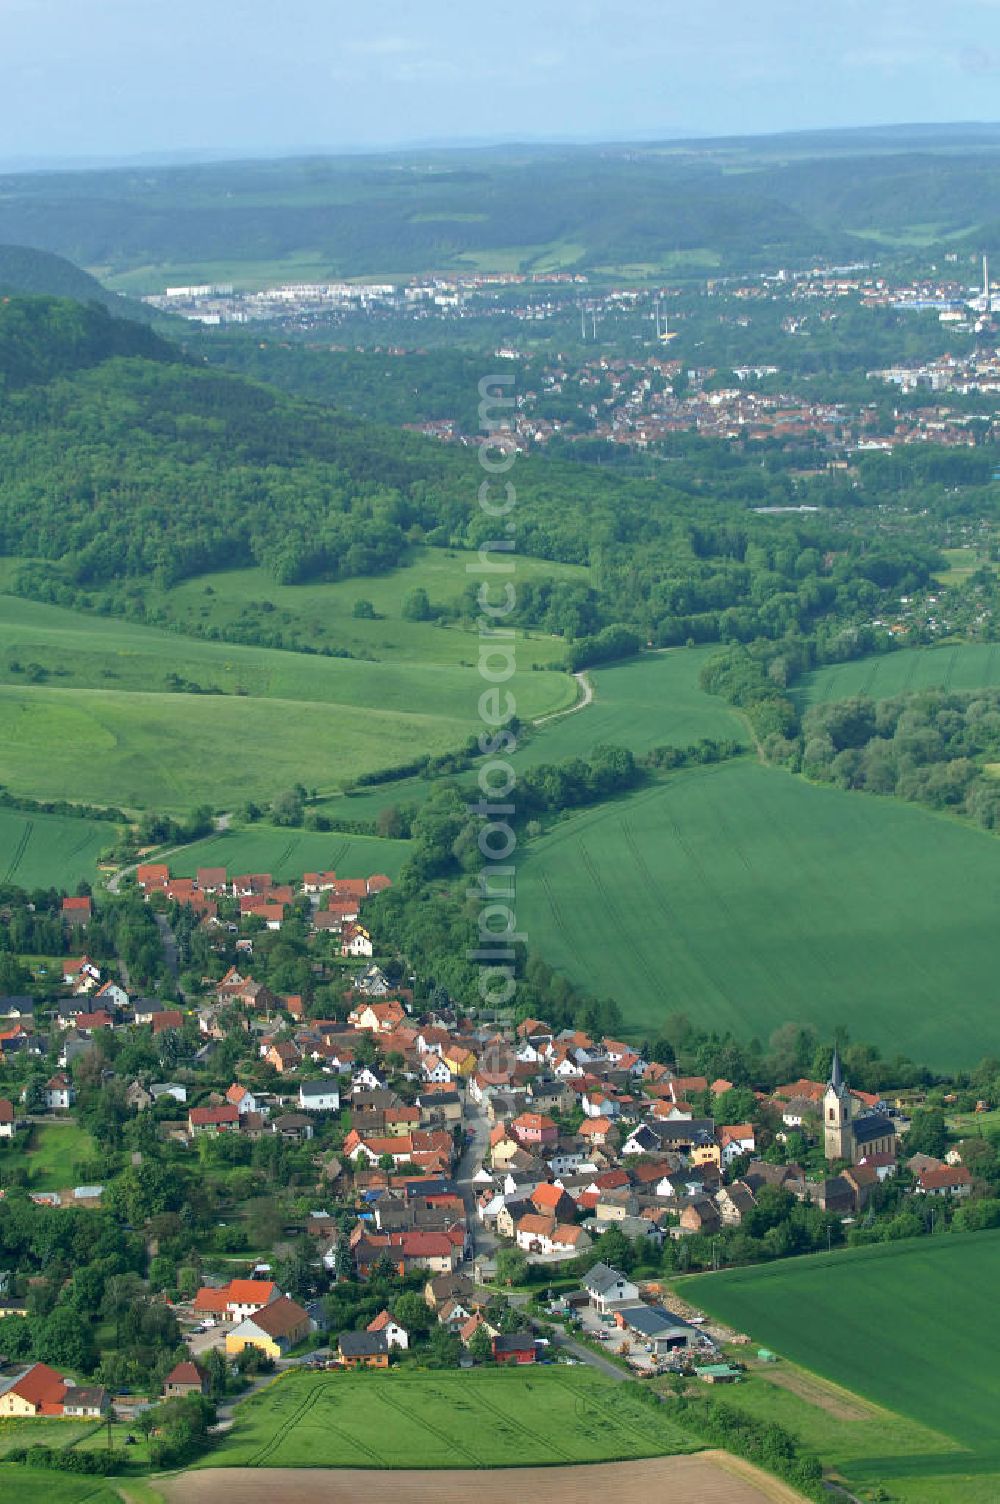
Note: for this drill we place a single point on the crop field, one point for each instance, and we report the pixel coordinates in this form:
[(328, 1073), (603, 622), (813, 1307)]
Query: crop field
[(959, 667), (30, 1485), (41, 851), (461, 1420), (642, 703), (911, 1326), (746, 897), (710, 1477), (288, 853)]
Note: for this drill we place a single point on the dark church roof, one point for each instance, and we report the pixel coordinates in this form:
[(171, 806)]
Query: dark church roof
[(871, 1127)]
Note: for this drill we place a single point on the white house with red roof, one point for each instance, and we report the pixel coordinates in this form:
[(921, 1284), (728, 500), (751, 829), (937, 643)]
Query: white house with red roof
[(395, 1335)]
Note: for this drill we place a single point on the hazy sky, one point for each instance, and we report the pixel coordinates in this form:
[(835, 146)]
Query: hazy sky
[(117, 77)]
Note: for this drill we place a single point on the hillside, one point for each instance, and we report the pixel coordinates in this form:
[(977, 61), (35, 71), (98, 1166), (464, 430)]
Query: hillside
[(692, 206), (122, 459), (26, 270)]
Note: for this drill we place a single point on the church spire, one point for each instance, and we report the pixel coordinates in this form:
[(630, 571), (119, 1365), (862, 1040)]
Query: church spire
[(836, 1076)]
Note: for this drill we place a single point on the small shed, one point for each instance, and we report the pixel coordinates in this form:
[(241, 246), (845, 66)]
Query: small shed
[(718, 1373)]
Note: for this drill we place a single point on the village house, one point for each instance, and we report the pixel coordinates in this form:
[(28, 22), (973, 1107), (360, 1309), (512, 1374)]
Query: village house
[(355, 941), (395, 1335), (949, 1180), (283, 1055), (380, 1017), (534, 1130), (735, 1140), (363, 1349), (40, 1391), (319, 1096), (237, 1300), (60, 1093), (222, 1119), (607, 1289)]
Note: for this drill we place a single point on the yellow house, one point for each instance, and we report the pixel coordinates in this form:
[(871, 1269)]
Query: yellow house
[(503, 1152), (460, 1061), (706, 1154), (272, 1330)]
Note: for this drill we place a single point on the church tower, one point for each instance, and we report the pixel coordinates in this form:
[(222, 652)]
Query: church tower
[(838, 1136)]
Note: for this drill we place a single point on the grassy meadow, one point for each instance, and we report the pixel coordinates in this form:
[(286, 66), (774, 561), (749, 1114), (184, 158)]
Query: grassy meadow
[(288, 853), (117, 712), (746, 897), (53, 1155), (321, 614), (910, 1326), (42, 1432), (112, 712), (173, 752), (486, 1418), (41, 851)]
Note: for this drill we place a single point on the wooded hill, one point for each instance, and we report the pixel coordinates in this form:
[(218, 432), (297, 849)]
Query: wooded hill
[(123, 459)]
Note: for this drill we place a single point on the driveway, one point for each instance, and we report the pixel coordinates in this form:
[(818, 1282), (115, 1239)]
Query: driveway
[(593, 1360)]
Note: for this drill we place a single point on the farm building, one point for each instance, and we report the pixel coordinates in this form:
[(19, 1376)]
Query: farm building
[(273, 1329)]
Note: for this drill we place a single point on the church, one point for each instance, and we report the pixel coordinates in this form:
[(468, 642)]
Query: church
[(846, 1136)]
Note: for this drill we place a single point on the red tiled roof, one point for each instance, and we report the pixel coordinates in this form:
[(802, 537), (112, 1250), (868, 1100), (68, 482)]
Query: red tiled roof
[(41, 1385), (209, 1298), (245, 1292), (207, 1117)]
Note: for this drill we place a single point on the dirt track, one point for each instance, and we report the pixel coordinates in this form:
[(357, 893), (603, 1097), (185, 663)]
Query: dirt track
[(706, 1478)]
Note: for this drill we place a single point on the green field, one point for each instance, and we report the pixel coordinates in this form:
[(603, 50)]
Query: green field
[(42, 851), (959, 667), (646, 702), (288, 853), (746, 897), (912, 1326), (486, 1418)]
